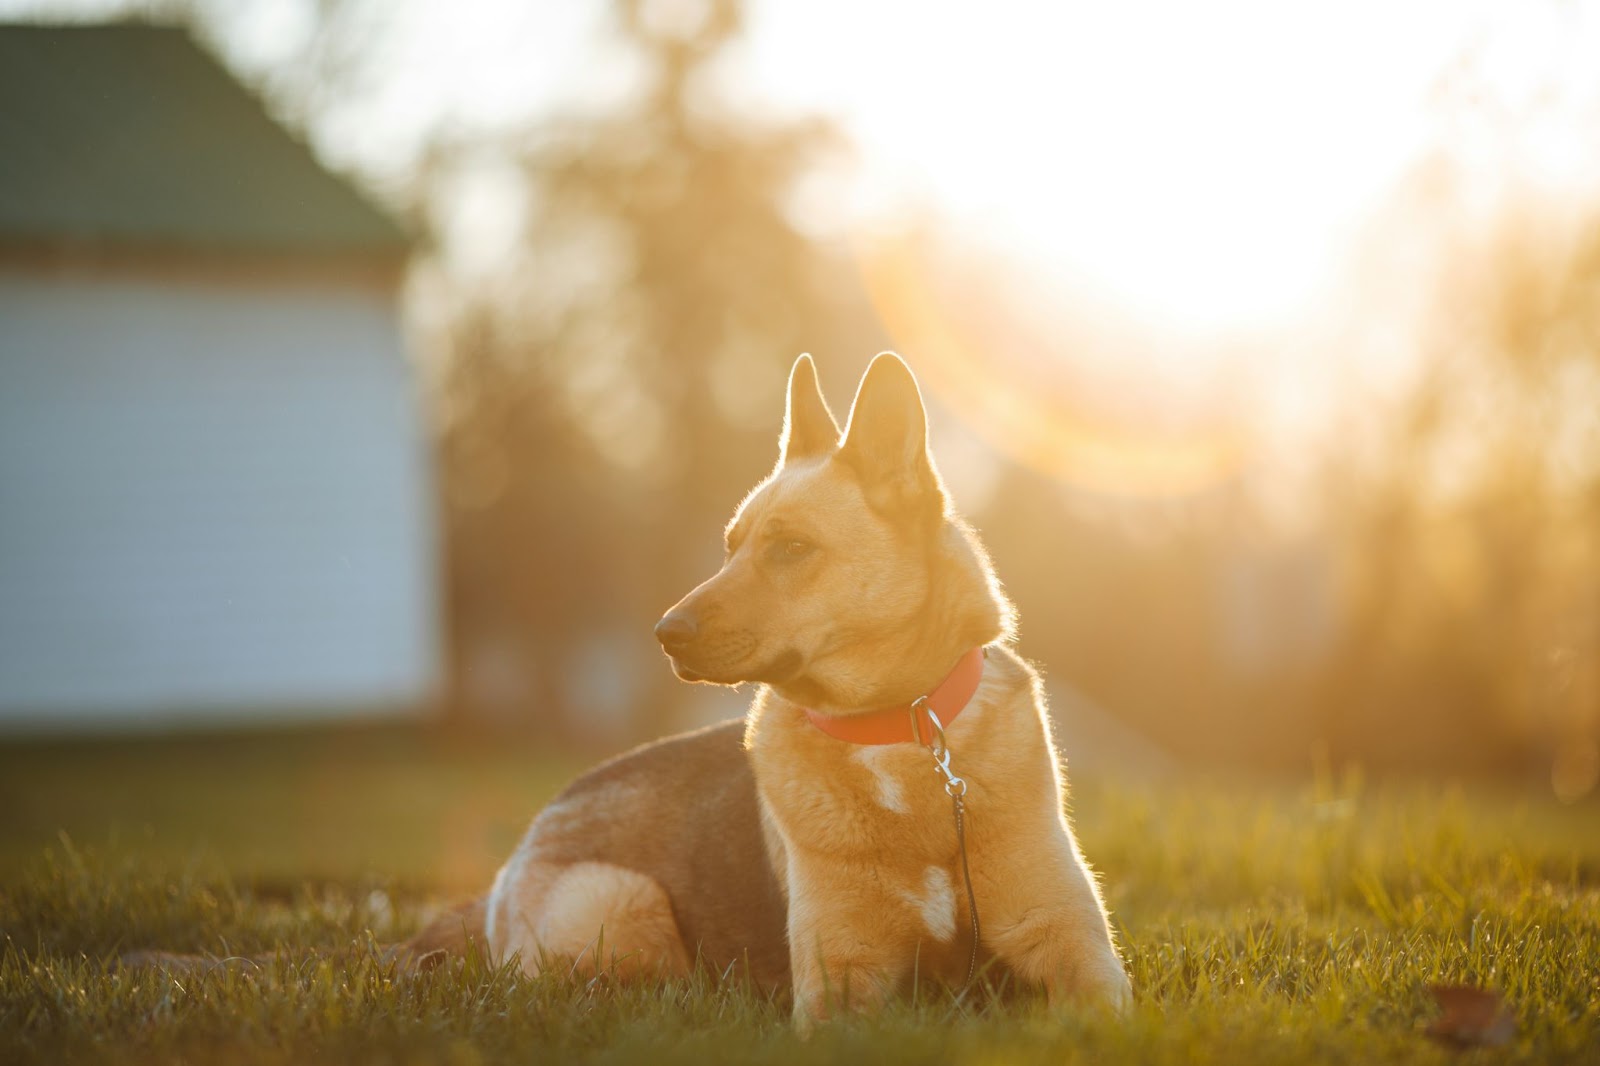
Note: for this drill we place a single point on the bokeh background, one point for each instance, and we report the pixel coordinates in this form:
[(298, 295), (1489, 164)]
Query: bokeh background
[(1261, 341)]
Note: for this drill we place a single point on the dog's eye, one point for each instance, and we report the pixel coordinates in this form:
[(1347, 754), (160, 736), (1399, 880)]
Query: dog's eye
[(790, 550)]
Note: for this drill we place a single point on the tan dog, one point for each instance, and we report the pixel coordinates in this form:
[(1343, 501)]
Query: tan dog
[(775, 848)]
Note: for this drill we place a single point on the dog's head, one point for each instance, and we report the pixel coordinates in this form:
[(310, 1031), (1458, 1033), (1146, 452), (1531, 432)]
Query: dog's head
[(846, 573)]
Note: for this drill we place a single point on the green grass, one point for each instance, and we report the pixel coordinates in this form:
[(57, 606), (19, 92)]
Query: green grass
[(1270, 923)]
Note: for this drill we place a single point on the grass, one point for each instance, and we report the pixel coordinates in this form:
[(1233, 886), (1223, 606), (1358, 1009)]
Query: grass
[(1271, 923)]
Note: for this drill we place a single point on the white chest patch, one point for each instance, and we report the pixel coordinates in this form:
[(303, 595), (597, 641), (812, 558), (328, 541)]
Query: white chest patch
[(936, 903), (891, 797)]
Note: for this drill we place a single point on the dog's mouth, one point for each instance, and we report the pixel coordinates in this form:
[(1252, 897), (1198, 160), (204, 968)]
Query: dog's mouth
[(686, 673), (784, 666), (709, 672)]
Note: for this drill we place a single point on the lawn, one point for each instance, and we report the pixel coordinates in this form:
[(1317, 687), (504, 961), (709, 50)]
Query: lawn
[(1295, 923)]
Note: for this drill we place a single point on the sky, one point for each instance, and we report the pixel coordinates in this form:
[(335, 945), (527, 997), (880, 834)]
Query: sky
[(1203, 163)]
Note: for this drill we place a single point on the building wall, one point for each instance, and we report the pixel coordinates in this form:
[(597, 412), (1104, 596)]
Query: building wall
[(215, 501)]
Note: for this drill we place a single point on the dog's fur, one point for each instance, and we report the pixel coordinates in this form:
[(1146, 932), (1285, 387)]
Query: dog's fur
[(776, 850)]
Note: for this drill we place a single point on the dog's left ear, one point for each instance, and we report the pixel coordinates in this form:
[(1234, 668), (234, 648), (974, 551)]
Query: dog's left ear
[(886, 442)]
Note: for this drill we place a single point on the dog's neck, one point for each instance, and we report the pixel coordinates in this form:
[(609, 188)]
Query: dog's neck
[(867, 687), (923, 720)]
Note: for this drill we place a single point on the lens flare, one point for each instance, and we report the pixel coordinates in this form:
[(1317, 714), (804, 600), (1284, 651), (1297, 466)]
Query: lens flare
[(1030, 417)]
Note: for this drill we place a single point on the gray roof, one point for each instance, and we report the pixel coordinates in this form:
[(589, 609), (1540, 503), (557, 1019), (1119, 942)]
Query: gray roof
[(132, 135)]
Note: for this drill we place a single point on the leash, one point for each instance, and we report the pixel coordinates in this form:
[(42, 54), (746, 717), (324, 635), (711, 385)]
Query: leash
[(956, 788)]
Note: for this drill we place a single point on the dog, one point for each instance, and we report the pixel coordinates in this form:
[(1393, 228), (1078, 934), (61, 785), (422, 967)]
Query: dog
[(811, 846)]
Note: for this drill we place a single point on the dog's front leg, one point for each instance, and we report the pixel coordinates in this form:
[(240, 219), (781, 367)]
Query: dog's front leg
[(846, 944), (1043, 917)]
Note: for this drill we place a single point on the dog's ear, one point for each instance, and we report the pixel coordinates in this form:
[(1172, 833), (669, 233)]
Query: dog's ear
[(808, 426), (886, 442)]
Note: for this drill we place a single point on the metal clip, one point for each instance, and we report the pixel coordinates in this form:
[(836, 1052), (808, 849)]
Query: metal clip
[(954, 786), (936, 743), (916, 726)]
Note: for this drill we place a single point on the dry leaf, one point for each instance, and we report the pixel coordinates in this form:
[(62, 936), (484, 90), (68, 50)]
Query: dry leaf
[(1473, 1017)]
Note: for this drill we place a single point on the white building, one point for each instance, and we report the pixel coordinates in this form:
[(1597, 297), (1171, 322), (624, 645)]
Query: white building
[(215, 492)]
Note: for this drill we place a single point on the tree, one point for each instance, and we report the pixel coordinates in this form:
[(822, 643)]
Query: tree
[(627, 382)]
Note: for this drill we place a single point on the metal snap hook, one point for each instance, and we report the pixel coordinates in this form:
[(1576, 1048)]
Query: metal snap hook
[(937, 744), (916, 725)]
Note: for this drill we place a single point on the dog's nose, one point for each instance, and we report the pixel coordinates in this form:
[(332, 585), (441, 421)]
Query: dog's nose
[(676, 631)]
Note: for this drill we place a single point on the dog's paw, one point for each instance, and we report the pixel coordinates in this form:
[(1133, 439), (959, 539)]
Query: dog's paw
[(803, 1022), (1104, 983)]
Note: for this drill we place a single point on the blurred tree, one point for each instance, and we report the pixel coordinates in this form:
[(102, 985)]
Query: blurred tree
[(608, 407), (1472, 542)]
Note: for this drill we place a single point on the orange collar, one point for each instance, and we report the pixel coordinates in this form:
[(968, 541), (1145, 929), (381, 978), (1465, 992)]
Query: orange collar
[(893, 725)]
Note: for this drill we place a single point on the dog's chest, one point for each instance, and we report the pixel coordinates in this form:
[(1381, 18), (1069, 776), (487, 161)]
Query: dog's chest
[(887, 769), (882, 804)]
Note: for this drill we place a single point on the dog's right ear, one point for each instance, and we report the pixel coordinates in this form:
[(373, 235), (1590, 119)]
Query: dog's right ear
[(808, 426)]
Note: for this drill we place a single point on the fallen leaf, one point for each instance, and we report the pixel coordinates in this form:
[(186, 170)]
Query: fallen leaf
[(1473, 1017)]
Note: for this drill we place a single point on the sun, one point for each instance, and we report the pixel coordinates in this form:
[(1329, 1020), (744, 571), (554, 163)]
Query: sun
[(1203, 164)]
